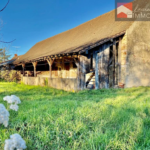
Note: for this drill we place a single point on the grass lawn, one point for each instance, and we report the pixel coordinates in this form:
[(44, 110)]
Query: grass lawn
[(100, 119)]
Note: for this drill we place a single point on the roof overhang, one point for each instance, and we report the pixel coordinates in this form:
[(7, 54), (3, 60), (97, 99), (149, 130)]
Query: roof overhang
[(78, 52)]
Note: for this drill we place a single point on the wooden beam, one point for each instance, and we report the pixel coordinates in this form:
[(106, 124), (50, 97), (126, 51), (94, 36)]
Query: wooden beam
[(119, 60), (87, 52), (116, 65), (83, 72), (34, 65), (105, 66), (63, 67), (77, 62), (50, 62), (96, 58), (23, 67), (75, 53), (101, 67), (27, 73), (113, 61)]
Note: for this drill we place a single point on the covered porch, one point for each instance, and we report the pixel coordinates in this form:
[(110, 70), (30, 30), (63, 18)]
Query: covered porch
[(95, 67)]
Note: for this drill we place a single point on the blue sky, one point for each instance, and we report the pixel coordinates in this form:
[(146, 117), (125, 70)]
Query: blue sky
[(30, 21)]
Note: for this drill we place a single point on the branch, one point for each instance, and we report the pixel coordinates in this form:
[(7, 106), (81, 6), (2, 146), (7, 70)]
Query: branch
[(5, 6), (7, 42)]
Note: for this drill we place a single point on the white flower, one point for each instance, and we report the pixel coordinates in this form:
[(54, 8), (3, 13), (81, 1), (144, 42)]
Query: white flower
[(15, 142), (12, 99), (8, 99), (14, 107), (8, 145), (15, 99), (4, 115)]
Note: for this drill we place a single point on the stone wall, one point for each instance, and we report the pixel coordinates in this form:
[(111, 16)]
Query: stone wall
[(138, 53), (65, 84), (58, 83)]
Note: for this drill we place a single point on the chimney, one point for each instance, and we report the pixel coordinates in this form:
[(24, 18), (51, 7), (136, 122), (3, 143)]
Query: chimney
[(15, 55)]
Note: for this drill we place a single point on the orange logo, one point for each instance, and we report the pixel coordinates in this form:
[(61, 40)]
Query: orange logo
[(124, 10)]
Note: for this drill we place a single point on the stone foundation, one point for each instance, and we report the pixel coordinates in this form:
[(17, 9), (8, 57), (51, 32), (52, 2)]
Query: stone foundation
[(58, 83)]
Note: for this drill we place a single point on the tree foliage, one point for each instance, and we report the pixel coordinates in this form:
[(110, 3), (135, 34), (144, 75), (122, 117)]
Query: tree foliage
[(4, 55)]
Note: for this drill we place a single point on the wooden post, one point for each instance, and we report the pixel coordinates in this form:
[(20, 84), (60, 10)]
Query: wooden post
[(98, 68), (63, 67), (116, 66), (70, 67), (94, 60), (34, 65), (50, 62), (77, 62), (106, 62), (119, 59), (101, 66), (113, 62), (96, 55), (81, 72), (23, 67), (27, 73)]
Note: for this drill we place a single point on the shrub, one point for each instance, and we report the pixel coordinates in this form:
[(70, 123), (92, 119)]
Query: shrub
[(10, 75)]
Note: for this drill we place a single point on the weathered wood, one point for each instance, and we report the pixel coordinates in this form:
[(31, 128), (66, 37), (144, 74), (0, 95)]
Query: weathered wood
[(23, 67), (34, 65), (50, 62), (101, 66), (81, 72), (119, 60), (94, 60), (98, 64), (106, 63), (77, 62), (27, 73), (116, 65), (63, 67), (96, 71), (113, 62), (101, 69)]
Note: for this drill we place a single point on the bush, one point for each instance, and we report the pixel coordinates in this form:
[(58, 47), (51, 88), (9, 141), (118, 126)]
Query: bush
[(10, 75)]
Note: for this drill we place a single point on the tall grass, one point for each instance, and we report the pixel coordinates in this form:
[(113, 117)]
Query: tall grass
[(96, 120)]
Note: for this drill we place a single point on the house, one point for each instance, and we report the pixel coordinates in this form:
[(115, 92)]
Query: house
[(9, 64), (101, 53), (7, 70)]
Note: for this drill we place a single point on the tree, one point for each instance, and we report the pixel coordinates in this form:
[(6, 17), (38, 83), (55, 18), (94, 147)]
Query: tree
[(4, 55)]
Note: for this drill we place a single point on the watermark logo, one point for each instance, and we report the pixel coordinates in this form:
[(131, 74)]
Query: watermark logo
[(124, 10), (137, 10)]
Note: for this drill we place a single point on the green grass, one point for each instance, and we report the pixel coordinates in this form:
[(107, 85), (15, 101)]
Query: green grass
[(99, 119)]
